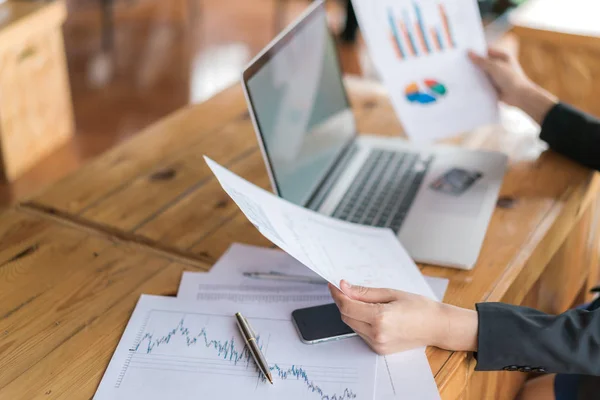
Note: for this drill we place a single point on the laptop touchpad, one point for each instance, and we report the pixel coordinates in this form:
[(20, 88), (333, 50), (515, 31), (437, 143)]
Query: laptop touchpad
[(467, 203)]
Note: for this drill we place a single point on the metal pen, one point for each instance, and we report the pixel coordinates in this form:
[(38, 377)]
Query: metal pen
[(250, 338)]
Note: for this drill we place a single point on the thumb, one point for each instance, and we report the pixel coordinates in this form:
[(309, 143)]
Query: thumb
[(484, 63), (499, 54), (367, 295)]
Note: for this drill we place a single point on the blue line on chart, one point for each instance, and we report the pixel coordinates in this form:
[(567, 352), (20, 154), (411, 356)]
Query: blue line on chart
[(396, 33), (409, 31), (439, 38), (227, 351), (422, 27)]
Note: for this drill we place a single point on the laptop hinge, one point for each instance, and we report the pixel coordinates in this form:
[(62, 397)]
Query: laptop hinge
[(331, 177)]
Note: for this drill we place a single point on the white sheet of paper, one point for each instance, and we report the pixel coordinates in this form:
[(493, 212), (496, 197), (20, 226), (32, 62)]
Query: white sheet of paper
[(399, 376), (178, 349), (336, 250), (409, 377), (420, 49), (226, 280), (438, 286)]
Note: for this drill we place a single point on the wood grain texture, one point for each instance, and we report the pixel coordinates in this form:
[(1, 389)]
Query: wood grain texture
[(36, 115), (592, 254), (560, 48), (155, 195), (567, 272), (119, 167), (66, 295)]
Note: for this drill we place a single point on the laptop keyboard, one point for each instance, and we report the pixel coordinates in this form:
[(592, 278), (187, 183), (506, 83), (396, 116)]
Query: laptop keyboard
[(384, 189)]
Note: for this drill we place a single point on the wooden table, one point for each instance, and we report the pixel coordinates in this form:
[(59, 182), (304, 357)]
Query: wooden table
[(74, 259), (560, 48)]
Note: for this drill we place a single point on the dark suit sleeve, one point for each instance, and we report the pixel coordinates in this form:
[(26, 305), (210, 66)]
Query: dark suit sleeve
[(517, 338), (574, 134)]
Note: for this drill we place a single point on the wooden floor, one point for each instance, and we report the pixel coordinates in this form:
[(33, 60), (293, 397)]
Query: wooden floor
[(166, 54)]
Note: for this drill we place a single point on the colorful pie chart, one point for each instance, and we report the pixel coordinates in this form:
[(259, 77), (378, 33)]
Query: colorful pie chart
[(430, 91)]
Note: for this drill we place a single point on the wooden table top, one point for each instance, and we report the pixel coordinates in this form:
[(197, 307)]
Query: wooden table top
[(74, 259)]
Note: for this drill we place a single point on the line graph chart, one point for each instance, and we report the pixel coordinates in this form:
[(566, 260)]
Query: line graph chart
[(171, 352)]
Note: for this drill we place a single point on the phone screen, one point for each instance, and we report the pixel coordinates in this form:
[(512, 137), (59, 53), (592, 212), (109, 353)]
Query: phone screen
[(320, 324)]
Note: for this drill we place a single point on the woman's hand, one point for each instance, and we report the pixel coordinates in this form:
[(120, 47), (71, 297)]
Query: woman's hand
[(391, 321), (506, 75), (513, 86)]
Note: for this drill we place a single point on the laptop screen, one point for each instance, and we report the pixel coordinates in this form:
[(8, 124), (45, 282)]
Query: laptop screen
[(300, 106)]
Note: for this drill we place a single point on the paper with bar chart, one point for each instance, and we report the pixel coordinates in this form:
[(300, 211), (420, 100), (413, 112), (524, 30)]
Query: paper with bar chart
[(178, 349), (420, 49), (412, 37)]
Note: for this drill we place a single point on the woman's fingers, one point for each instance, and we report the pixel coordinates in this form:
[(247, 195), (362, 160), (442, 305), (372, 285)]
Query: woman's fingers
[(354, 309), (499, 54), (368, 295), (481, 62), (367, 341), (378, 348), (369, 334), (360, 327)]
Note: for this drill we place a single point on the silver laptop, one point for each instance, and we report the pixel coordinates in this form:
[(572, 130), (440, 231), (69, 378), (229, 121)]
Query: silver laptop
[(438, 200)]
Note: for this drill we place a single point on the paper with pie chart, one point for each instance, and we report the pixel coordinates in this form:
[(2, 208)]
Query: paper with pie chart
[(419, 48), (428, 91)]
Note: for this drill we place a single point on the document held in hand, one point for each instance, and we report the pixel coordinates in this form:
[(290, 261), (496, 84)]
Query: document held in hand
[(334, 249), (404, 375), (419, 48)]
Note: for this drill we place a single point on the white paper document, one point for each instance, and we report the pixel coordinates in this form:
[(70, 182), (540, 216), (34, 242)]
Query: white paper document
[(439, 286), (226, 280), (400, 376), (336, 250), (419, 48), (178, 349), (409, 377)]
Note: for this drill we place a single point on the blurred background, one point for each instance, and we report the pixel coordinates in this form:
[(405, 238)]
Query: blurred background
[(129, 63)]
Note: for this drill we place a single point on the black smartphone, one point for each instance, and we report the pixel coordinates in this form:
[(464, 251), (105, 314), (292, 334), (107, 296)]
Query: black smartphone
[(320, 324)]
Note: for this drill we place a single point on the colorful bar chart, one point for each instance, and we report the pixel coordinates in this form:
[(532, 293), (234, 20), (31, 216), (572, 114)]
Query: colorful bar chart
[(437, 39), (447, 28), (420, 28), (397, 42), (412, 37)]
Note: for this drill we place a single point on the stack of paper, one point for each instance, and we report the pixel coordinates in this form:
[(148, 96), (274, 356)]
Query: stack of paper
[(190, 346), (178, 349), (401, 376)]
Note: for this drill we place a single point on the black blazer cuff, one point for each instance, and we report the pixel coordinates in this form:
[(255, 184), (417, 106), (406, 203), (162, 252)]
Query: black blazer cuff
[(573, 133), (500, 341), (556, 123)]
